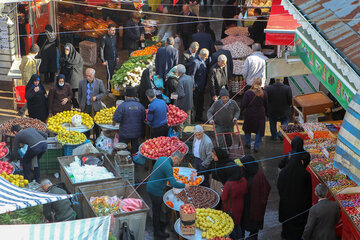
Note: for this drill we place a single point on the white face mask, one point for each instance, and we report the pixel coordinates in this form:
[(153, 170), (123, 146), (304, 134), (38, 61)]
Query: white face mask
[(61, 84)]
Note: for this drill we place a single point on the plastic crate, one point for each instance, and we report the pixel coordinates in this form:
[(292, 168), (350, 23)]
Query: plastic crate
[(68, 149), (48, 161), (126, 171)]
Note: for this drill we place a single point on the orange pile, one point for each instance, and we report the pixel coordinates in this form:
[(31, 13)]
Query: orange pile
[(146, 51), (192, 181)]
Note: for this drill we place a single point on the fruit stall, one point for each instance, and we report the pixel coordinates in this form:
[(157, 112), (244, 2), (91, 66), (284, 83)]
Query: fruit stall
[(117, 198), (320, 141)]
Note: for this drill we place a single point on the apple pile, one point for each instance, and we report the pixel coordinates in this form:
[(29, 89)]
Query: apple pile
[(3, 149), (221, 238), (175, 115), (188, 208), (162, 147), (5, 167)]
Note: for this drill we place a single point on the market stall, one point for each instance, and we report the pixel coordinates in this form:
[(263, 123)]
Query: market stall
[(320, 141)]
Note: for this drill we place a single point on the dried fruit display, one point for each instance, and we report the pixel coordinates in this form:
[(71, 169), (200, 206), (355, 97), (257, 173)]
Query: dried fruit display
[(5, 128), (292, 128), (238, 67), (199, 196), (238, 49), (239, 38), (235, 31)]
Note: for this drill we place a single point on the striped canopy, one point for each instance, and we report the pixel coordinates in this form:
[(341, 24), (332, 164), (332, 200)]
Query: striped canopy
[(84, 229), (13, 198)]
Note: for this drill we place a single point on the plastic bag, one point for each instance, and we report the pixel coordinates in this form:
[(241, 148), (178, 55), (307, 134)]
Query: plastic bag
[(104, 144), (173, 133), (22, 151), (116, 139), (159, 82), (131, 204), (76, 120), (85, 149)]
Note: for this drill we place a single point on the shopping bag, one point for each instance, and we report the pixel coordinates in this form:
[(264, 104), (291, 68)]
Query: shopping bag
[(173, 133), (22, 151)]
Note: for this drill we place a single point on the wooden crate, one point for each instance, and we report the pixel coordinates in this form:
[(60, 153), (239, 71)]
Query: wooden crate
[(88, 51), (136, 220)]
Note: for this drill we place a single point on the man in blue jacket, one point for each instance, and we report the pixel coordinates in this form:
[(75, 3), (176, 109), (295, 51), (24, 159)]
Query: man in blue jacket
[(162, 173), (157, 115), (131, 116), (198, 71)]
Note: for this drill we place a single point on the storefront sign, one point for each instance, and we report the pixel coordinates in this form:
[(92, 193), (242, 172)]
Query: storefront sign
[(322, 72), (4, 36)]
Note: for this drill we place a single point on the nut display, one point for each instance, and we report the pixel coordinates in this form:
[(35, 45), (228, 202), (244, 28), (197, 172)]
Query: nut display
[(292, 128), (5, 128), (213, 223), (70, 137), (55, 122), (104, 116), (199, 196)]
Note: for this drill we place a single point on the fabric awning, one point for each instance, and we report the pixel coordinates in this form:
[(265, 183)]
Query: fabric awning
[(85, 229), (13, 198), (281, 26)]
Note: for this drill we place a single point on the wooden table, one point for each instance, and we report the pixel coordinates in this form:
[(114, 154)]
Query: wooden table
[(312, 103)]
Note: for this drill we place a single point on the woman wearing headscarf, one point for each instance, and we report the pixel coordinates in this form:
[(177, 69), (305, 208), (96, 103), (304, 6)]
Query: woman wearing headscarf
[(295, 190), (254, 107), (60, 96), (36, 98), (232, 198), (258, 190), (72, 68), (145, 84), (230, 10), (221, 165), (298, 151)]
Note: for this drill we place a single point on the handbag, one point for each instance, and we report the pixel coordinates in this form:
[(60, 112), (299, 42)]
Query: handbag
[(230, 213), (126, 233)]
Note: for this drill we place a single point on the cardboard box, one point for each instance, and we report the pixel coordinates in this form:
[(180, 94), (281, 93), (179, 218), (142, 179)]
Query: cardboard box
[(187, 229), (187, 217)]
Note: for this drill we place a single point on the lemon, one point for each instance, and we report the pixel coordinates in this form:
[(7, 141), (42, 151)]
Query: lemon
[(26, 182)]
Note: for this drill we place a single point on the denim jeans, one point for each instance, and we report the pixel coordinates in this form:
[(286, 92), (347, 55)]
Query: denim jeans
[(236, 233), (257, 139), (37, 151), (273, 121)]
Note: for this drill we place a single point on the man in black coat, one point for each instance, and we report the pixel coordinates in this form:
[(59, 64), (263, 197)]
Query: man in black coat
[(133, 33), (188, 29), (189, 54), (48, 43), (204, 39), (219, 50), (166, 58), (218, 77), (256, 31), (280, 101), (323, 217), (198, 70), (108, 53)]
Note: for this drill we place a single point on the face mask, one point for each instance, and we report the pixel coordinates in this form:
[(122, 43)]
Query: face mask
[(61, 84)]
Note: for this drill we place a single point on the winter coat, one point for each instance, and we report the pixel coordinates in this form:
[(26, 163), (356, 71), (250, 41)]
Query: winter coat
[(205, 41), (198, 70), (298, 151), (232, 198), (280, 100), (256, 31), (107, 49), (28, 67), (166, 58), (256, 197), (56, 95), (145, 84), (254, 67), (36, 101), (217, 79), (157, 114), (98, 91), (62, 208), (188, 28), (48, 52), (254, 109), (185, 93), (229, 62), (205, 150), (225, 116), (131, 116), (72, 67), (186, 59), (132, 33)]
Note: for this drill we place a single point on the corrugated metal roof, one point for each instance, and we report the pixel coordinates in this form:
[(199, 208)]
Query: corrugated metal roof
[(343, 34)]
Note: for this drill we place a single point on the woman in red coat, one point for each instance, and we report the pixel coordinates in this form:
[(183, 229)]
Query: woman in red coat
[(232, 198)]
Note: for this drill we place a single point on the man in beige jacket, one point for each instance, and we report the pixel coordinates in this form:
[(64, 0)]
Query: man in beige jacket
[(29, 65)]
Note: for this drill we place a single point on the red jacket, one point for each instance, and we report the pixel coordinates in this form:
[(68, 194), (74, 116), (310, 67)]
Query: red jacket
[(238, 191)]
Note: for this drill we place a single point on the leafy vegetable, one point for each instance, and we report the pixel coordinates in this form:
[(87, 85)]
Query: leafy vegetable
[(32, 215)]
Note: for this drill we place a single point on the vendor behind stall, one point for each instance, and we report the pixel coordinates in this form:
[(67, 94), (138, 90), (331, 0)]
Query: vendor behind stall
[(157, 115), (37, 146), (162, 173), (60, 210)]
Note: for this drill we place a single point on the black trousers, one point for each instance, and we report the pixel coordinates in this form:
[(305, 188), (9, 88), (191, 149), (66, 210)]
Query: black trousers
[(96, 129), (134, 144), (156, 209), (110, 68), (199, 104), (160, 131), (49, 77), (37, 151)]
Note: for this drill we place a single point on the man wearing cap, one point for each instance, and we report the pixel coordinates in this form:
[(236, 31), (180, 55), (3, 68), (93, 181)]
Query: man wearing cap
[(131, 116), (280, 101), (227, 112), (202, 149), (220, 51)]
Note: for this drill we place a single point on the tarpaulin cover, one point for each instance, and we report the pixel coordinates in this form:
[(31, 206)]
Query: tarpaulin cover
[(13, 197), (280, 20), (85, 229)]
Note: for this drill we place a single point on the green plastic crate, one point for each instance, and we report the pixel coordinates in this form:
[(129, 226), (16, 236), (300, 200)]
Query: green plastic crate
[(48, 161)]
